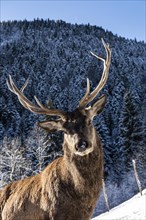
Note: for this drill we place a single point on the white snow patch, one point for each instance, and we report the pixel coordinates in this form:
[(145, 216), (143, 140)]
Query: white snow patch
[(132, 209)]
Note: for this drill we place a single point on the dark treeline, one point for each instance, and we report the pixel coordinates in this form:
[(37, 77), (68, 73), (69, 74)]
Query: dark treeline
[(56, 58)]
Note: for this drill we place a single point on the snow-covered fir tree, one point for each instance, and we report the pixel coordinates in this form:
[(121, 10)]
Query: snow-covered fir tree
[(56, 58)]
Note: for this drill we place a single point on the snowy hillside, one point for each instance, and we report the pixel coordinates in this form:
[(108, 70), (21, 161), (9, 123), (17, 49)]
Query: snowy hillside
[(133, 209), (55, 55)]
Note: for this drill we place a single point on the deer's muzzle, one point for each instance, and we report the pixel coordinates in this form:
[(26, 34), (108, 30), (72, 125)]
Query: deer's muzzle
[(81, 146)]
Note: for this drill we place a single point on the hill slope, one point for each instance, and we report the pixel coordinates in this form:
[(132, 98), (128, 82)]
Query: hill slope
[(56, 58), (133, 209)]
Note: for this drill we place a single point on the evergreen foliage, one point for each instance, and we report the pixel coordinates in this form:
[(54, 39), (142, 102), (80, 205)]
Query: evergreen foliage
[(55, 56)]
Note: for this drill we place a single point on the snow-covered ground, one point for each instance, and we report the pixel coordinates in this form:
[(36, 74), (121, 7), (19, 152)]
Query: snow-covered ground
[(132, 209)]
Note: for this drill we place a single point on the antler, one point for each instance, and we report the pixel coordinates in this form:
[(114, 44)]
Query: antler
[(87, 98), (40, 109)]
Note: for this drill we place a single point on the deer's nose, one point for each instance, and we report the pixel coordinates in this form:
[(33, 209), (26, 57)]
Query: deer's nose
[(81, 145)]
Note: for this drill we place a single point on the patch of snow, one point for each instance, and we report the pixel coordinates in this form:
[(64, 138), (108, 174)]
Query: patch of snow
[(132, 209)]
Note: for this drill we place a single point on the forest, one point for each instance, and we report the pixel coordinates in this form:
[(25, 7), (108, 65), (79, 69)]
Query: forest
[(56, 57)]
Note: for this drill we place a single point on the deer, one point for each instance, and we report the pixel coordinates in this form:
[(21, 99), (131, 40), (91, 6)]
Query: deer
[(69, 187)]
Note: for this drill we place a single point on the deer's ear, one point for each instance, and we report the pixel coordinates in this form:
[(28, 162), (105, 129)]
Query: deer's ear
[(51, 126), (97, 107)]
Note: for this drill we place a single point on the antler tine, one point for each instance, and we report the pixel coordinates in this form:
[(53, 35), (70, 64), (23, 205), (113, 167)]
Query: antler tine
[(11, 89), (87, 90), (25, 84), (87, 98), (29, 105)]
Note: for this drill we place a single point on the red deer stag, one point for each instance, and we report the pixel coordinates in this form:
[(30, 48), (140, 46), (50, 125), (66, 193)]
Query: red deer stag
[(68, 188)]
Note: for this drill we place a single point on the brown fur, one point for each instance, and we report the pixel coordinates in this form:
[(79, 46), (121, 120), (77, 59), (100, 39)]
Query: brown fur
[(66, 190)]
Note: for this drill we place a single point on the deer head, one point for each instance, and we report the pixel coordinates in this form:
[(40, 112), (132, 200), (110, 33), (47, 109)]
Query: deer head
[(79, 133)]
